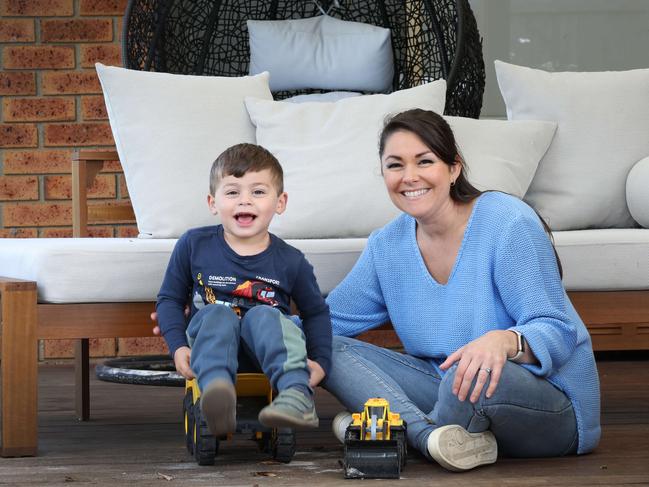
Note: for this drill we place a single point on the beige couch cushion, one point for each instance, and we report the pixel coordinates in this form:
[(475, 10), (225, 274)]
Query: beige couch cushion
[(121, 269), (74, 270), (609, 259)]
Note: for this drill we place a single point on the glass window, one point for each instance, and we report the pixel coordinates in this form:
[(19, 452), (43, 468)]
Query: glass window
[(560, 35)]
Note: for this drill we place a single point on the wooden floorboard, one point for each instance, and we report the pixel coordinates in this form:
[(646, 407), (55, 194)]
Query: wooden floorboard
[(135, 437)]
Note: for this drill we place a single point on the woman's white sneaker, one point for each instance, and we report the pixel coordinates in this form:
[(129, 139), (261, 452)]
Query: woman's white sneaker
[(340, 423), (454, 448)]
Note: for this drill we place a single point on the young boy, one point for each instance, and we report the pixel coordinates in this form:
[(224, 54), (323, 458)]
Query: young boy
[(239, 280)]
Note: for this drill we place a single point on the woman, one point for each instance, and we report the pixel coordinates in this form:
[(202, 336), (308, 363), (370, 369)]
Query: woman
[(496, 358)]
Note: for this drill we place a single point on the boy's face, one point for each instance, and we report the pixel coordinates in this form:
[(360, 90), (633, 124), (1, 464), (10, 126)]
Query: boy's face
[(246, 205)]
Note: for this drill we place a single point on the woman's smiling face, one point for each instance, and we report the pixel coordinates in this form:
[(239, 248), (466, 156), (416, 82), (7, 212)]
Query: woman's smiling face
[(417, 180)]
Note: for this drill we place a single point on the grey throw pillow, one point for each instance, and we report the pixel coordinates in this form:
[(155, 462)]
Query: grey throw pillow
[(321, 52)]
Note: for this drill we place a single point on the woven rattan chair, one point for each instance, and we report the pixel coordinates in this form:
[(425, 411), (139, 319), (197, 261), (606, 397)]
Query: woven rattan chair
[(431, 39)]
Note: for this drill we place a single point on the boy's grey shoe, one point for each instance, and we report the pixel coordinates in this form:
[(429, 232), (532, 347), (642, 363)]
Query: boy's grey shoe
[(290, 409), (454, 448), (219, 406)]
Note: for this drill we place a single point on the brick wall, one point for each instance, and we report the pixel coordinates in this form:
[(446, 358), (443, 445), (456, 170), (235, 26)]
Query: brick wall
[(51, 103)]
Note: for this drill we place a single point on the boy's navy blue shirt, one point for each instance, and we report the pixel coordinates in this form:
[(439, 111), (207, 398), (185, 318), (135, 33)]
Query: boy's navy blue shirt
[(203, 270)]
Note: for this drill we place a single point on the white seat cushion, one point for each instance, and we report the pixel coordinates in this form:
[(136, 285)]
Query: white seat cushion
[(610, 259), (88, 270), (72, 270)]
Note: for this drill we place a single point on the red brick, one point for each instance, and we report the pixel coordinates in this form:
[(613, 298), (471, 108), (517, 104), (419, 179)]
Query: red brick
[(18, 135), (15, 188), (38, 57), (94, 231), (38, 109), (141, 346), (60, 187), (70, 82), (57, 349), (37, 8), (109, 54), (37, 161), (17, 83), (127, 231), (18, 233), (101, 231), (76, 30), (93, 108), (102, 7), (17, 30), (112, 166), (78, 134), (36, 214)]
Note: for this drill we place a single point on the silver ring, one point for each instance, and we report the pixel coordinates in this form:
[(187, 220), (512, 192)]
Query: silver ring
[(486, 369)]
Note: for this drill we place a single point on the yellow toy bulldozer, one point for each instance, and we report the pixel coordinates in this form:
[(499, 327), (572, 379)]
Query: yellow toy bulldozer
[(375, 442), (253, 393)]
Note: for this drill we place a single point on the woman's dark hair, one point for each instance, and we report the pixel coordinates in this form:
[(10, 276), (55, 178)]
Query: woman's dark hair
[(437, 135)]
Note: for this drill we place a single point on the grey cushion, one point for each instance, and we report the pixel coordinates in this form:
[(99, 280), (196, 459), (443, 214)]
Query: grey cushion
[(321, 52)]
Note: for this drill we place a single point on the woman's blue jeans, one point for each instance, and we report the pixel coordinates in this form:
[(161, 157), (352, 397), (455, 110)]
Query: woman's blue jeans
[(528, 416)]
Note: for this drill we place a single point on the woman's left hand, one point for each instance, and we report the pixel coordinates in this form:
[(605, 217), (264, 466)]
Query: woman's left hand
[(485, 358)]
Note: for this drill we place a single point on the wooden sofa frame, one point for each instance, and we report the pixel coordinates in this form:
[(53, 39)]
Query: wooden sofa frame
[(617, 320)]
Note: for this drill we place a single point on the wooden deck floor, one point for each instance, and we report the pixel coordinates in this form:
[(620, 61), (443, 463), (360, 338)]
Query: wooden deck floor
[(135, 437)]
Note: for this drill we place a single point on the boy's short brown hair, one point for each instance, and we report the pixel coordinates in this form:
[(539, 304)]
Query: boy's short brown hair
[(243, 158)]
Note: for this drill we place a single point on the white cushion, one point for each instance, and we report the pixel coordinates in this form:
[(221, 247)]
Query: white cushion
[(86, 270), (603, 122), (500, 154), (321, 52), (71, 270), (168, 130), (328, 96), (637, 192), (96, 270), (607, 259), (329, 152)]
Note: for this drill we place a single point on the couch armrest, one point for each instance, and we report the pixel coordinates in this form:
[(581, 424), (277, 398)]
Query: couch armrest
[(85, 167)]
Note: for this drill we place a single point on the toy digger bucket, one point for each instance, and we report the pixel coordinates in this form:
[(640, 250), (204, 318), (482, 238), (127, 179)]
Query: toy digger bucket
[(372, 459)]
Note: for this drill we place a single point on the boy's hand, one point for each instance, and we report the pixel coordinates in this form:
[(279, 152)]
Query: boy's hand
[(317, 372), (181, 360)]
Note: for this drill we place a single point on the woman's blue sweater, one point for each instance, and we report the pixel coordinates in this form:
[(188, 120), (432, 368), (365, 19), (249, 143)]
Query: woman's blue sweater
[(505, 276)]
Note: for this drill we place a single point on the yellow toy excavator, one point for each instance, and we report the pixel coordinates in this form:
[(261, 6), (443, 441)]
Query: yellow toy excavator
[(375, 442)]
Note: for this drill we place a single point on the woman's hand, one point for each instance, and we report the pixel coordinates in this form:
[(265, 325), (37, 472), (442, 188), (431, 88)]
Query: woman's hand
[(181, 360), (156, 328), (154, 318), (317, 372), (484, 357)]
